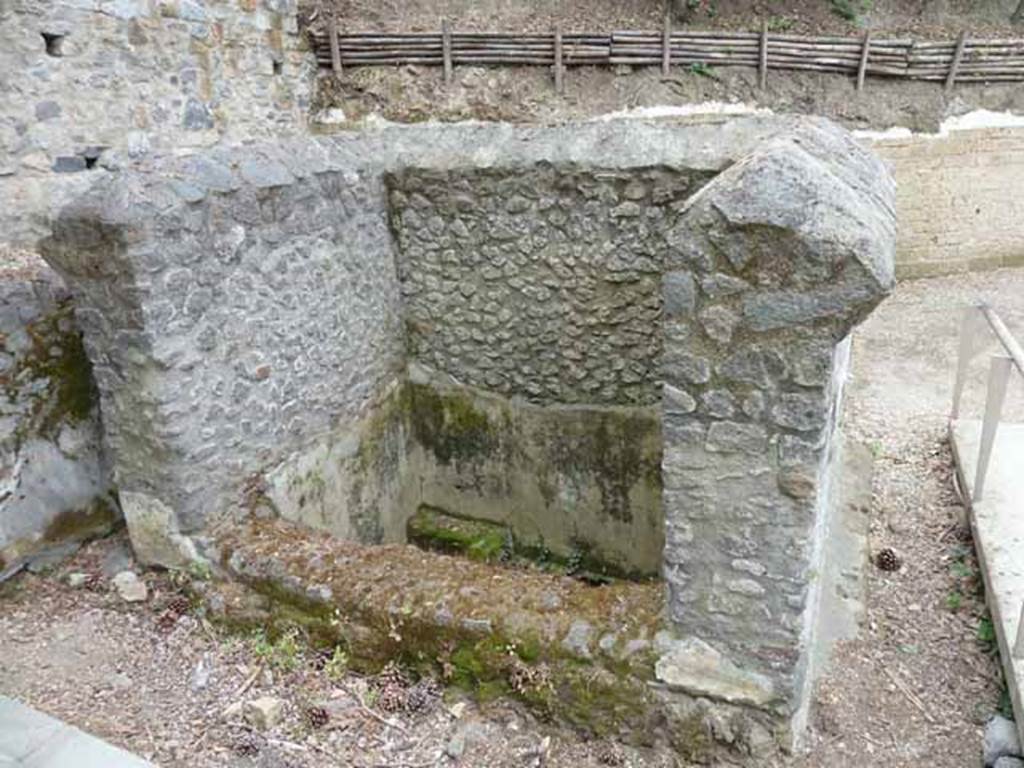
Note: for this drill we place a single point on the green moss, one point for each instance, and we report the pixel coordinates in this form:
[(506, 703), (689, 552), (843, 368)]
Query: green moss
[(78, 525), (691, 738), (449, 424), (59, 357), (436, 530)]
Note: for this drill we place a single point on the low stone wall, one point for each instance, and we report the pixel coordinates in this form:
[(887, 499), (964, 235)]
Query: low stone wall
[(55, 482), (92, 84)]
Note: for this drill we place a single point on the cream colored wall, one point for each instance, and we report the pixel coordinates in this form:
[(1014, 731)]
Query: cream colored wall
[(960, 200)]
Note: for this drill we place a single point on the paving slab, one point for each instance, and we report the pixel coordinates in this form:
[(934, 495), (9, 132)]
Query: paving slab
[(997, 520), (30, 739)]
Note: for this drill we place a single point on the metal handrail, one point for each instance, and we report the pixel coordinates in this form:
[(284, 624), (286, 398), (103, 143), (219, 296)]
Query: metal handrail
[(975, 319), (998, 377)]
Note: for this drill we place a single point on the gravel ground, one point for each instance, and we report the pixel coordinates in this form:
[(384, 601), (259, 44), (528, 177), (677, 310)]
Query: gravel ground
[(913, 690), (919, 683)]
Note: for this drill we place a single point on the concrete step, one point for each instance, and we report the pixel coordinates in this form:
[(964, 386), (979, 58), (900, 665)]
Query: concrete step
[(30, 739), (997, 520)]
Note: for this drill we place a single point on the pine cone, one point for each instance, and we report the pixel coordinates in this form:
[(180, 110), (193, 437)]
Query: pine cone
[(247, 745), (321, 657), (888, 560), (424, 695), (391, 675), (167, 620), (94, 582), (610, 753), (179, 605), (392, 698), (317, 717)]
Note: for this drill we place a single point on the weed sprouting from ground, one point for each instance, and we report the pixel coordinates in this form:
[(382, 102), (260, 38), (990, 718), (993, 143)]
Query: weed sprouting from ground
[(284, 653), (851, 10)]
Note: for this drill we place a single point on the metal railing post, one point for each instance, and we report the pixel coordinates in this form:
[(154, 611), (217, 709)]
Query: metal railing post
[(998, 376), (1018, 647), (972, 323)]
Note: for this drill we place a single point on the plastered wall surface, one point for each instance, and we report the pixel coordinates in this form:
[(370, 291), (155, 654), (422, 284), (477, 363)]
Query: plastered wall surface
[(959, 199), (55, 479)]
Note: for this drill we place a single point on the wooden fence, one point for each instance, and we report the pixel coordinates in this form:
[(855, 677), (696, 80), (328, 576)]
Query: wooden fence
[(955, 61)]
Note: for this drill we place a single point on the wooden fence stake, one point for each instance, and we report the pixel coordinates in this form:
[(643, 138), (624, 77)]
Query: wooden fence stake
[(862, 70), (332, 33), (961, 43), (764, 55), (666, 44), (559, 78), (446, 47)]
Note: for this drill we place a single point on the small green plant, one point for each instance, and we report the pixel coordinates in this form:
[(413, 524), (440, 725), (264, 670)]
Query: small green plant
[(780, 24), (284, 653), (1005, 702), (200, 570), (954, 601), (702, 69), (986, 632), (337, 666), (961, 570), (851, 10)]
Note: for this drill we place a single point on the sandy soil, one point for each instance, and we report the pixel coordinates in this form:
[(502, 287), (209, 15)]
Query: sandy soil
[(914, 689)]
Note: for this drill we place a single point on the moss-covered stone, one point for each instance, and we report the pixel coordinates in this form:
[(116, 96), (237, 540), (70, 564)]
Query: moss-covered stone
[(57, 356), (437, 530), (449, 424), (80, 525), (493, 632)]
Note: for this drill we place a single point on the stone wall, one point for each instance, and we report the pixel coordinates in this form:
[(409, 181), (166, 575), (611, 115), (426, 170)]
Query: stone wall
[(231, 316), (244, 313), (541, 284), (957, 200), (241, 304), (92, 84), (55, 482), (785, 252), (577, 482)]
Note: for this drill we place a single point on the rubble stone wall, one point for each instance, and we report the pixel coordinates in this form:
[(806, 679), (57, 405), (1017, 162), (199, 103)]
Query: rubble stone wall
[(251, 315), (92, 84), (542, 284)]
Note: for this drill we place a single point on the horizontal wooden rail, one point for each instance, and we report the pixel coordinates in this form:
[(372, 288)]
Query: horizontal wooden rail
[(963, 60)]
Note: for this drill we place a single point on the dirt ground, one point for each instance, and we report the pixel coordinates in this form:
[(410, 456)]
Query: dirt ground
[(914, 689), (890, 17), (526, 94)]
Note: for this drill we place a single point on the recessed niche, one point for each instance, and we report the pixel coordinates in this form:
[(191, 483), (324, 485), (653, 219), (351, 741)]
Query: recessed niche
[(54, 43)]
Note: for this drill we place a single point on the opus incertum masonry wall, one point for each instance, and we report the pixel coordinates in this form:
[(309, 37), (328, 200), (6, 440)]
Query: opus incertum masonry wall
[(624, 338)]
